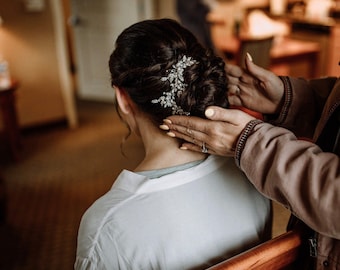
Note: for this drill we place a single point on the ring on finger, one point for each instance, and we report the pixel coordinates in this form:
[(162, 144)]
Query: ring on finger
[(204, 148), (238, 90)]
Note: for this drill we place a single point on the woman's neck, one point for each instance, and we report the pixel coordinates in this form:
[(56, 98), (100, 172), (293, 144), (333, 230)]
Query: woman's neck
[(162, 151)]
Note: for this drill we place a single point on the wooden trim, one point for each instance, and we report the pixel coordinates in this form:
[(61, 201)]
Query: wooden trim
[(276, 253), (64, 63)]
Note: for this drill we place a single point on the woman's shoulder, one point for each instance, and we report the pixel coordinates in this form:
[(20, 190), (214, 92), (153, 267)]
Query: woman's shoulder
[(97, 214), (101, 211), (97, 219)]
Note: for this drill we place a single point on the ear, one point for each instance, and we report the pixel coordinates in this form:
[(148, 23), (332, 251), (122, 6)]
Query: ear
[(128, 109), (123, 101)]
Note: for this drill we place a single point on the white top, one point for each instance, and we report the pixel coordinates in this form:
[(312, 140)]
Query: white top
[(189, 219)]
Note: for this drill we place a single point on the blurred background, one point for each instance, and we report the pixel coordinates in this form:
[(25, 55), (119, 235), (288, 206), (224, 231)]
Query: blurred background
[(60, 137)]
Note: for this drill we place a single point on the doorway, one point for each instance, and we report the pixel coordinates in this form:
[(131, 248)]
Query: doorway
[(95, 25)]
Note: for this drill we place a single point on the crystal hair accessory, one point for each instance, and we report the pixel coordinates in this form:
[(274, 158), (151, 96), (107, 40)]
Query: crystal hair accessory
[(177, 85)]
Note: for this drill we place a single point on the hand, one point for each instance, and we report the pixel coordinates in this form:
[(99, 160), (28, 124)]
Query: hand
[(254, 88), (219, 136)]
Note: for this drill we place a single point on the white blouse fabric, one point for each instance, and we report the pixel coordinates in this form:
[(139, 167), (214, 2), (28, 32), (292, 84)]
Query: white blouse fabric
[(188, 219)]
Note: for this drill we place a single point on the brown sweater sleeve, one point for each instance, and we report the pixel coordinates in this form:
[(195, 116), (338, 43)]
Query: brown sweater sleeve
[(295, 173), (304, 101), (292, 171)]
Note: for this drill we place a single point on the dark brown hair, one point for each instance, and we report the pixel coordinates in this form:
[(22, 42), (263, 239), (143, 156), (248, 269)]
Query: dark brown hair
[(147, 49)]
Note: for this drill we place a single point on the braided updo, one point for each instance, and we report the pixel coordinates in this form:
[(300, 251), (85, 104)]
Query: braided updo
[(147, 49)]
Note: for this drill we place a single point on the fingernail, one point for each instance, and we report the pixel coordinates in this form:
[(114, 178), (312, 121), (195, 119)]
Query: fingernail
[(249, 57), (171, 134), (164, 127), (183, 148), (167, 121), (209, 112)]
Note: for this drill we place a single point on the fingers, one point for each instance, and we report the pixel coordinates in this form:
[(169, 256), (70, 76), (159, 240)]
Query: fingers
[(257, 71), (235, 100), (194, 137), (242, 78), (234, 89), (214, 137), (195, 140), (192, 147), (237, 75), (191, 129), (197, 148), (233, 70), (186, 124)]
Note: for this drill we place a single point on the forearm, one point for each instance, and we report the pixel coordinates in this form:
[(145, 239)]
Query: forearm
[(295, 173)]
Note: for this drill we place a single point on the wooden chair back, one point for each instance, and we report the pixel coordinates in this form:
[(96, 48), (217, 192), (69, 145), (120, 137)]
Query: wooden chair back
[(258, 47), (276, 254)]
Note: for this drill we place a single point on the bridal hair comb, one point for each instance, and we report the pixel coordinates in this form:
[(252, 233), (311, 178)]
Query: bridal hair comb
[(177, 85)]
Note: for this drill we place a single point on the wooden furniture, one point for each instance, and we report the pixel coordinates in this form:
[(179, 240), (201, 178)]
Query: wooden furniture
[(10, 119), (291, 51), (284, 51), (334, 59), (278, 253), (3, 200), (258, 47), (319, 31)]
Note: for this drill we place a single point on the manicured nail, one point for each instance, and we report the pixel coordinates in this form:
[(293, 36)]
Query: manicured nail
[(209, 112), (183, 148), (171, 134), (249, 57), (167, 121), (164, 127)]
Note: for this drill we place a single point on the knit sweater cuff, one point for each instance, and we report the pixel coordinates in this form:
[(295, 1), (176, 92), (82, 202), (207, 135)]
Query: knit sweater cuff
[(278, 119), (243, 138)]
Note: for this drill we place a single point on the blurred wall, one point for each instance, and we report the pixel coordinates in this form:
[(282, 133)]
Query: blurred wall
[(166, 9), (28, 43)]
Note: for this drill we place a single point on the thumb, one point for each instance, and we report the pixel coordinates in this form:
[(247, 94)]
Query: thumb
[(220, 114)]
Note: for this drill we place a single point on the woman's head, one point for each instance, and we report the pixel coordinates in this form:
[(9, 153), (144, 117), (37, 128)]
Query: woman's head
[(164, 70)]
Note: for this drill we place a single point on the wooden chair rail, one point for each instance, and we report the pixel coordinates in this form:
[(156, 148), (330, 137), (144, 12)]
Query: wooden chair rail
[(277, 253)]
